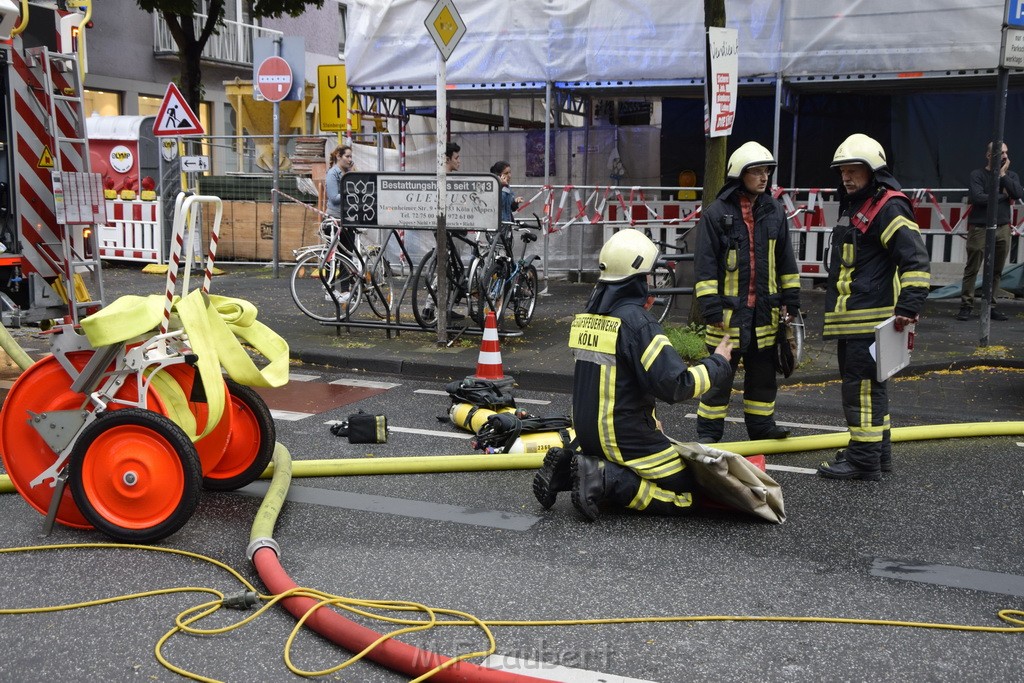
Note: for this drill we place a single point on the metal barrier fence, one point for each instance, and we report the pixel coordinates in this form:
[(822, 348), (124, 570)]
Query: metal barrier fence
[(577, 217)]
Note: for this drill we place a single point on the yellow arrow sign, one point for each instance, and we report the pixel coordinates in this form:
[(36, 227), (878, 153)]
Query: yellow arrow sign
[(332, 96)]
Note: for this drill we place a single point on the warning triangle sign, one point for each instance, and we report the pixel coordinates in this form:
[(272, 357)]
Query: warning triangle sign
[(175, 116), (45, 159)]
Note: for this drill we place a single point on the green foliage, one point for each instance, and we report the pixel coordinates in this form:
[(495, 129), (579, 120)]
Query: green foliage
[(688, 341), (270, 9)]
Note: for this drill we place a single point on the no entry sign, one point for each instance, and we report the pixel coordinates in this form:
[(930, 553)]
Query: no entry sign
[(274, 79)]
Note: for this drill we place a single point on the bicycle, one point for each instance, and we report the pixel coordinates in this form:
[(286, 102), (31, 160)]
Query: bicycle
[(509, 282), (460, 281), (663, 282), (329, 282)]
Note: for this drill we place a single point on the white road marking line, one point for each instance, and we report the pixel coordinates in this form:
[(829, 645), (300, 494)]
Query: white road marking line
[(790, 468), (299, 377), (531, 401), (431, 432), (369, 384), (413, 430), (561, 674), (289, 415), (801, 425)]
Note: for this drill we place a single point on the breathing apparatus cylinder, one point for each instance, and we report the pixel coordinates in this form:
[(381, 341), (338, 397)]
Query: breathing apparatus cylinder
[(540, 442), (471, 418)]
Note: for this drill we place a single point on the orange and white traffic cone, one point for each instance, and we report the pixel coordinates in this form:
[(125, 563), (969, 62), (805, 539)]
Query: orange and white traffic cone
[(488, 364)]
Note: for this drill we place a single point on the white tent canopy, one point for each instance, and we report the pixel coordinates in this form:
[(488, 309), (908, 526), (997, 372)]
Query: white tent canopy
[(515, 41)]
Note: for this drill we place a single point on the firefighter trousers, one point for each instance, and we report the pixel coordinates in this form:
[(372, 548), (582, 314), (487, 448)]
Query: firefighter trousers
[(760, 387), (638, 489), (865, 405)]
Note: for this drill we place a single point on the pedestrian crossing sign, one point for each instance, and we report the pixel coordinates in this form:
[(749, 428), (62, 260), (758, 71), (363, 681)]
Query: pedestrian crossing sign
[(175, 116)]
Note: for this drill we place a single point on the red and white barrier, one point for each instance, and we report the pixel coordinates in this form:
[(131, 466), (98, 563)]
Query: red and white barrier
[(132, 232)]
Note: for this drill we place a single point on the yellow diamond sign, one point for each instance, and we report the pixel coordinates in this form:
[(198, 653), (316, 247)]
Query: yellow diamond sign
[(445, 26)]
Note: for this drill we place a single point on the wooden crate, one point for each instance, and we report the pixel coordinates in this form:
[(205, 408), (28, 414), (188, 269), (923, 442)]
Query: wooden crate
[(247, 230)]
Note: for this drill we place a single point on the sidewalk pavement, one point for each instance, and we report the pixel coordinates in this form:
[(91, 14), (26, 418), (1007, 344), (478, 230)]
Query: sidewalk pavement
[(539, 358)]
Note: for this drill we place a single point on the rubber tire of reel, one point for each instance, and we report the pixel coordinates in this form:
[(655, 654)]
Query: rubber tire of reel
[(162, 457), (251, 443)]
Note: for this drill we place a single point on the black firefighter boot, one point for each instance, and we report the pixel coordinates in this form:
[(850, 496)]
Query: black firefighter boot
[(555, 475), (601, 485), (588, 485)]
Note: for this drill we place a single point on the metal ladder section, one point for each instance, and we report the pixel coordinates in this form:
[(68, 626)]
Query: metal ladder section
[(61, 80)]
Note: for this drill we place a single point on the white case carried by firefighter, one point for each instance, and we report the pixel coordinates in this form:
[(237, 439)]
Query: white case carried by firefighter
[(892, 348)]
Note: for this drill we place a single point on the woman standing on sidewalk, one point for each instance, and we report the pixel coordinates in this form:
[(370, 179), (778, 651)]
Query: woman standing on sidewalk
[(341, 163)]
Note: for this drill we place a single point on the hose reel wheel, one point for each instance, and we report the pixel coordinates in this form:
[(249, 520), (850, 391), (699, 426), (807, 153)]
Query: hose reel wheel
[(135, 475), (46, 387)]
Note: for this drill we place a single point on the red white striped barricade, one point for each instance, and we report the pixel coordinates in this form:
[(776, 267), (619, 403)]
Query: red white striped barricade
[(132, 231), (185, 210)]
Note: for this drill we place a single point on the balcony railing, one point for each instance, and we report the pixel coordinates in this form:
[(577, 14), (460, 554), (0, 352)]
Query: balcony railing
[(233, 45)]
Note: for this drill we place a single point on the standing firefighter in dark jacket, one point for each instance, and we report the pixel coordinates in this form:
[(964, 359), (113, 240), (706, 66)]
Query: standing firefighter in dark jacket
[(624, 362), (747, 281), (878, 268)]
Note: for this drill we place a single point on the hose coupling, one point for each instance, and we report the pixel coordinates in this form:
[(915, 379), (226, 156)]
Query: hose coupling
[(263, 542), (244, 600)]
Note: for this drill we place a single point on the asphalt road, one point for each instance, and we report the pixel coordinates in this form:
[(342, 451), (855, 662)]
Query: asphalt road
[(937, 541)]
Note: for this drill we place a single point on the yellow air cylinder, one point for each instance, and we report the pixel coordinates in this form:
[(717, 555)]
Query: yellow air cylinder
[(470, 417), (540, 442)]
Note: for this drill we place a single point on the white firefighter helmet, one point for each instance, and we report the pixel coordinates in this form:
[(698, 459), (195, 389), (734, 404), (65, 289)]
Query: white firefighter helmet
[(626, 253), (860, 149), (749, 154)]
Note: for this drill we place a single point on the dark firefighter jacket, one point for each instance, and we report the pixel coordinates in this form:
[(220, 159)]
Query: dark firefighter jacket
[(879, 272), (722, 268), (624, 362)]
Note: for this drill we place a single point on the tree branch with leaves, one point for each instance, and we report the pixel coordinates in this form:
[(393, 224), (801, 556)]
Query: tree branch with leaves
[(191, 31)]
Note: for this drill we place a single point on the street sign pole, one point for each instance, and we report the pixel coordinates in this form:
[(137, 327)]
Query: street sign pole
[(1010, 17), (446, 27), (440, 235), (276, 198)]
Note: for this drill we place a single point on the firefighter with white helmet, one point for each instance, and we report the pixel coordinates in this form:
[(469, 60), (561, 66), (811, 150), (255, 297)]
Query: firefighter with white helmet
[(623, 363), (877, 268), (746, 284)]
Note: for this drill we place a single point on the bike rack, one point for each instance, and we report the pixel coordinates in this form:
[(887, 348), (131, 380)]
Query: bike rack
[(389, 326)]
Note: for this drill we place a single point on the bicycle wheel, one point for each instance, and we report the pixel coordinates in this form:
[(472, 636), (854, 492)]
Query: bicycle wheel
[(424, 291), (310, 295), (524, 296), (662, 277), (377, 284), (495, 285), (475, 300)]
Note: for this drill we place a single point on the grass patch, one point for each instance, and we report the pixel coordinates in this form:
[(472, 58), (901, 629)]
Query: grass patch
[(688, 341)]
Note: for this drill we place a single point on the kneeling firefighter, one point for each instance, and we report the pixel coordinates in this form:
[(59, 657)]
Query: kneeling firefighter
[(624, 362)]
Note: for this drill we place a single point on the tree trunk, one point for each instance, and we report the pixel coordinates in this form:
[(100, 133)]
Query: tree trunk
[(190, 49), (192, 75), (714, 148)]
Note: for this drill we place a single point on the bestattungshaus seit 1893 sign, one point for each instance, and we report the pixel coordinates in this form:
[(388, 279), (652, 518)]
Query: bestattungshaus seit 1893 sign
[(409, 200)]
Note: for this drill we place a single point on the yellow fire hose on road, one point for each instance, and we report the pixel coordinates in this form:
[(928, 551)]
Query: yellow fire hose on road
[(438, 464)]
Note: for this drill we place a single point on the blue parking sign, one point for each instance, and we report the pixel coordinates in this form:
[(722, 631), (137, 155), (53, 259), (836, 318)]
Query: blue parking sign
[(1015, 13)]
